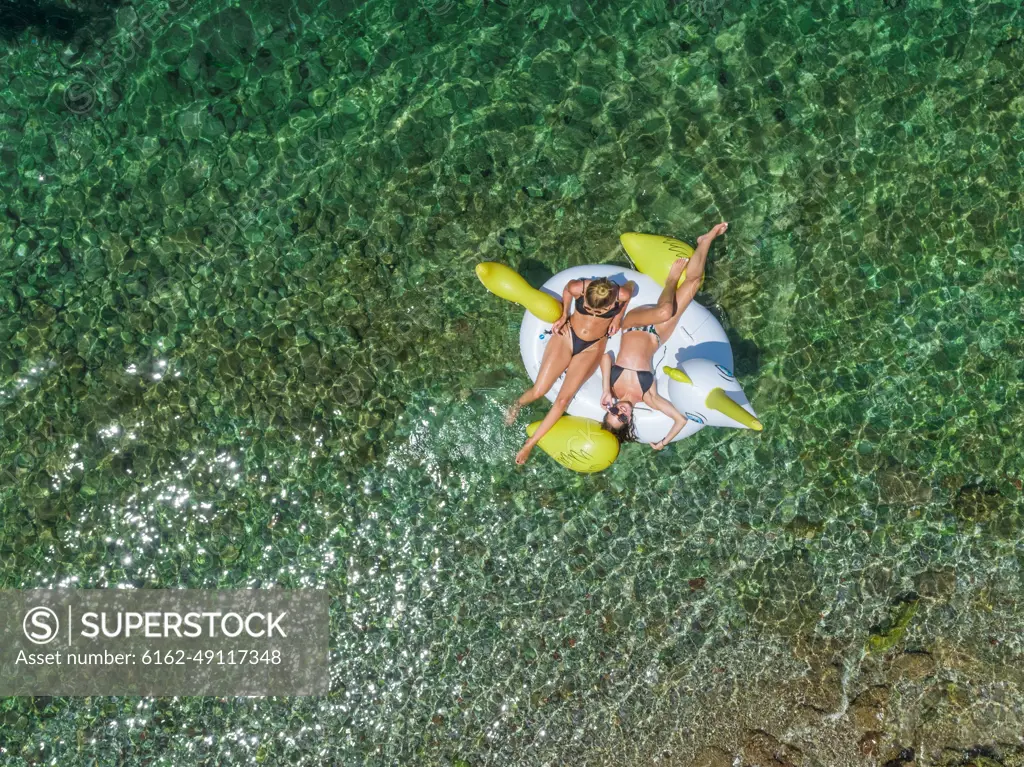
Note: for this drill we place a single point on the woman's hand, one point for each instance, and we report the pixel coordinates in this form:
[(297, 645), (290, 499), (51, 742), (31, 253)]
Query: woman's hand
[(615, 326), (559, 327), (658, 445), (607, 400)]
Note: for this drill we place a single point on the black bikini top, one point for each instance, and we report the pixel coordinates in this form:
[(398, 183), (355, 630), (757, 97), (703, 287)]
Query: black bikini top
[(644, 377), (581, 308)]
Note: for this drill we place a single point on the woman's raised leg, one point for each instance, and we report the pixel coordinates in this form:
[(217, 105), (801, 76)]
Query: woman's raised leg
[(663, 310), (686, 292)]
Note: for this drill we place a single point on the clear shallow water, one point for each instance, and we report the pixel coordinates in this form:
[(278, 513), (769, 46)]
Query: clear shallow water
[(241, 344)]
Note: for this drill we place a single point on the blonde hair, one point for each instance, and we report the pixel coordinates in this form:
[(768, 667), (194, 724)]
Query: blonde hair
[(601, 292)]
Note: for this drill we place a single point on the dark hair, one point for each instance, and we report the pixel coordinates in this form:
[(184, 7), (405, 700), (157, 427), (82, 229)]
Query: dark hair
[(624, 432)]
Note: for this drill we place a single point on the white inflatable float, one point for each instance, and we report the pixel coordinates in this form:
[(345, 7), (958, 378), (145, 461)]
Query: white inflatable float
[(693, 368), (699, 347)]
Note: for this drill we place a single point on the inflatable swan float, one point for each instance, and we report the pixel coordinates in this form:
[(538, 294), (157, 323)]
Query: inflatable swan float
[(693, 368)]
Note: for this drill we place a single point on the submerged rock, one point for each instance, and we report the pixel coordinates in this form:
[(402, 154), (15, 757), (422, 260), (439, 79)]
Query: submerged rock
[(935, 584), (869, 711), (870, 743), (915, 666), (711, 756), (763, 750), (825, 693), (979, 504)]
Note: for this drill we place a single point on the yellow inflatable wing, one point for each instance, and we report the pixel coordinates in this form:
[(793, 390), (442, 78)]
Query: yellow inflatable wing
[(508, 284), (653, 254), (578, 444)]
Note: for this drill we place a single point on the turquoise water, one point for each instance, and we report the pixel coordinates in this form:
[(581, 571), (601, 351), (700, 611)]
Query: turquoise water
[(242, 344)]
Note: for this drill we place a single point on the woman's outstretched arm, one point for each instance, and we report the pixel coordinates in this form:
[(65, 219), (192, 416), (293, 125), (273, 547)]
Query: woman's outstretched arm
[(678, 419), (607, 400)]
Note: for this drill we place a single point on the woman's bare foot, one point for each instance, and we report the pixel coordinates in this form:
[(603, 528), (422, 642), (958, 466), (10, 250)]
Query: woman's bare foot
[(523, 454), (715, 231), (676, 270), (512, 413)]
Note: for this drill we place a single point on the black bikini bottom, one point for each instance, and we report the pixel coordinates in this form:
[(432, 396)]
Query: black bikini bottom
[(578, 344)]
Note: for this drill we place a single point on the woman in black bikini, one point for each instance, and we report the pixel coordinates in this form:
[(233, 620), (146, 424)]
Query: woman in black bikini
[(600, 306), (630, 379)]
